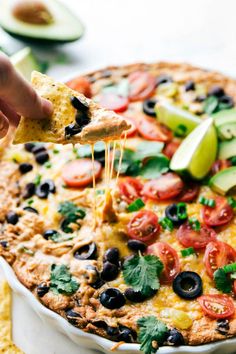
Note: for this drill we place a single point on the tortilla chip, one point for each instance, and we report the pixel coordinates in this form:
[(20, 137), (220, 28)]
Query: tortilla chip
[(104, 125)]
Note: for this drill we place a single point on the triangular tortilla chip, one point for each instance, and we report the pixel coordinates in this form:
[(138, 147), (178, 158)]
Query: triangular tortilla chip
[(104, 124)]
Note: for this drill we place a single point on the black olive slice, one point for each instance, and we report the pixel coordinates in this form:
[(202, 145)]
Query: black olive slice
[(175, 338), (30, 209), (88, 251), (25, 167), (176, 213), (79, 104), (48, 233), (188, 285), (222, 326), (189, 86), (136, 245), (82, 119), (72, 129), (110, 271), (148, 107), (29, 190), (42, 289), (72, 316), (4, 244), (29, 147), (112, 255), (112, 299), (42, 157), (46, 187), (12, 218), (38, 148), (216, 91), (163, 79)]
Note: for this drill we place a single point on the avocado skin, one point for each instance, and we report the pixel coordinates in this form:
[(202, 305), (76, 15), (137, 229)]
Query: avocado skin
[(41, 41)]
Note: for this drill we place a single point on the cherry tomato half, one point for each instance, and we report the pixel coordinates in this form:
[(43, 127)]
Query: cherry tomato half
[(79, 173), (130, 188), (131, 131), (82, 85), (171, 148), (217, 255), (217, 305), (113, 102), (221, 214), (144, 226), (196, 239), (169, 258), (165, 187), (142, 85), (220, 165), (150, 129), (189, 193)]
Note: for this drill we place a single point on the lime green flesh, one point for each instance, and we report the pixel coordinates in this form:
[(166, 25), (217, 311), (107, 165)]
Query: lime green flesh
[(224, 180), (225, 122), (197, 152), (65, 27), (174, 117), (25, 62), (227, 149)]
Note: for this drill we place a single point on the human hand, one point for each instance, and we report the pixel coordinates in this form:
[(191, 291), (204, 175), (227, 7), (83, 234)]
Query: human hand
[(18, 98)]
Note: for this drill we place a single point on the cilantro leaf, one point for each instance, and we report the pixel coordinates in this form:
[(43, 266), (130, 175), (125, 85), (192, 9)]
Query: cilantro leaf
[(62, 281), (210, 105), (222, 281), (72, 213), (155, 166), (151, 330), (135, 272)]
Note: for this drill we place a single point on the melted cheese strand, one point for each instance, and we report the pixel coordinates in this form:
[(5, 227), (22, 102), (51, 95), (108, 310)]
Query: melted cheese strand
[(121, 155), (94, 189), (108, 162), (113, 159)]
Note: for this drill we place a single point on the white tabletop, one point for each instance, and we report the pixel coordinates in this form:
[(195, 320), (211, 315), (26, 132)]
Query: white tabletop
[(202, 32)]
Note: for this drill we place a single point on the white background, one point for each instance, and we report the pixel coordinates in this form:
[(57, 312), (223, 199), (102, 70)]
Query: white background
[(202, 32)]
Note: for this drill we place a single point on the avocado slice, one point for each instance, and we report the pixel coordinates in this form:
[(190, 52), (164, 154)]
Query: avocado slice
[(227, 149), (62, 27), (225, 122), (25, 62), (224, 180)]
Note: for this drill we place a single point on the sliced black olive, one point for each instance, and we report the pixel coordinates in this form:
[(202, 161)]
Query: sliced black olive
[(226, 101), (109, 272), (42, 289), (200, 98), (113, 332), (46, 187), (30, 209), (134, 296), (136, 245), (174, 338), (98, 283), (38, 148), (79, 104), (188, 285), (29, 147), (72, 129), (189, 86), (126, 334), (29, 190), (88, 251), (112, 298), (4, 244), (25, 167), (82, 119), (100, 324), (148, 107), (112, 255), (48, 233), (72, 316), (42, 157), (176, 213), (216, 91), (12, 218), (222, 326), (163, 79)]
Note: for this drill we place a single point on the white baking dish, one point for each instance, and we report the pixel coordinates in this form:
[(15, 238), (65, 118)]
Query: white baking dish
[(92, 341)]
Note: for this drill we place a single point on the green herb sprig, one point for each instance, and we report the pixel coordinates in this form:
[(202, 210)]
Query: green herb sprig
[(72, 213), (136, 205), (187, 251), (62, 281), (207, 202)]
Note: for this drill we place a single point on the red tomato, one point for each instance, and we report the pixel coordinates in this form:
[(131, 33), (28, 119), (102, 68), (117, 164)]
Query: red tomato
[(130, 188), (114, 102), (196, 239), (221, 214), (234, 287), (220, 165), (171, 148), (189, 193), (144, 226), (79, 173), (131, 131), (169, 258), (150, 129), (142, 85), (217, 255), (165, 187), (82, 85), (217, 305)]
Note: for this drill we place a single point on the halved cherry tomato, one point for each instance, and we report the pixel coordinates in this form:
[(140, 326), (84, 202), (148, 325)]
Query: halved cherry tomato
[(79, 173), (114, 102), (220, 165), (196, 239), (169, 258), (165, 187), (130, 188), (142, 85), (150, 129), (221, 214), (82, 85), (171, 148), (217, 255), (217, 305), (131, 131), (144, 226), (189, 193)]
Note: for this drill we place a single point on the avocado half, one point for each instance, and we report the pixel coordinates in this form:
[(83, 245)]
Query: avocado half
[(65, 27)]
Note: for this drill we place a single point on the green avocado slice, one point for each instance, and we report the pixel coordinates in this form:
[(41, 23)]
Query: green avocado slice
[(225, 122), (224, 180), (227, 149), (64, 27)]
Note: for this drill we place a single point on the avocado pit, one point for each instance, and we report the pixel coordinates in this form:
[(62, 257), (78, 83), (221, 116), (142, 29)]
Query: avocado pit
[(32, 12)]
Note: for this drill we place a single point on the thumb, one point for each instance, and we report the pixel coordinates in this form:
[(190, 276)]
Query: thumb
[(4, 125)]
